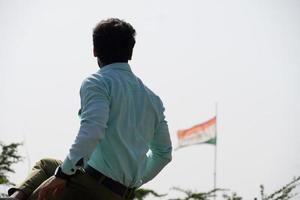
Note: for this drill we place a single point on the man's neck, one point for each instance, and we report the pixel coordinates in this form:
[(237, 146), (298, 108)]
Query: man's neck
[(103, 64), (100, 64)]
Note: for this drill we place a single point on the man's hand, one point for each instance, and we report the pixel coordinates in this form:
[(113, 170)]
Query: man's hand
[(52, 185)]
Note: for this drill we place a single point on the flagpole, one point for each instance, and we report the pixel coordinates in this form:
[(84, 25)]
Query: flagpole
[(215, 160)]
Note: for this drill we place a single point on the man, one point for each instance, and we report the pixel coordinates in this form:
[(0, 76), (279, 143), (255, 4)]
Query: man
[(123, 140)]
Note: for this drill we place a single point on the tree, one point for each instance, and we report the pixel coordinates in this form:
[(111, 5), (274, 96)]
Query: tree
[(9, 156), (140, 194), (190, 195), (233, 196), (283, 193)]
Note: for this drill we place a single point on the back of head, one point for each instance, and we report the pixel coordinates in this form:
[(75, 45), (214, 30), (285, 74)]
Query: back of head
[(113, 40)]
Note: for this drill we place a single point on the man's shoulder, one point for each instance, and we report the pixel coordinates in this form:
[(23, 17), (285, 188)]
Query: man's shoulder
[(153, 96), (150, 92), (96, 79)]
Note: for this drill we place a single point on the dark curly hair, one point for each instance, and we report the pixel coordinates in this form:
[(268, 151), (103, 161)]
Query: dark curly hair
[(113, 40)]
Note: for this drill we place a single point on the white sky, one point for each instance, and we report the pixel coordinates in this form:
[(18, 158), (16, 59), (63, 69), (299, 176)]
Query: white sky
[(245, 55)]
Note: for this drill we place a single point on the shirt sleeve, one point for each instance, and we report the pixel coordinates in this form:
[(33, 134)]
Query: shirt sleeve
[(160, 152), (94, 116)]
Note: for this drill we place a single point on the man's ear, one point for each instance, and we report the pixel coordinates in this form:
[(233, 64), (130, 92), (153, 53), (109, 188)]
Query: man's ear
[(130, 55), (95, 53)]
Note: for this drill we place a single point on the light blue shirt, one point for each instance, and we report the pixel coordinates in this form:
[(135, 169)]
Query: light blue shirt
[(123, 132)]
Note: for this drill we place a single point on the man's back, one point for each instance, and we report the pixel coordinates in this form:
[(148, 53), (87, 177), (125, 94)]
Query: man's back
[(135, 113)]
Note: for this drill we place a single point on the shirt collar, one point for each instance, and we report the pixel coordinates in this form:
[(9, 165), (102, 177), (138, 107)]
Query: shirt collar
[(116, 66)]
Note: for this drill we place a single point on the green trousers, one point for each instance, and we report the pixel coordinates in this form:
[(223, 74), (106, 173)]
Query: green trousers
[(79, 187)]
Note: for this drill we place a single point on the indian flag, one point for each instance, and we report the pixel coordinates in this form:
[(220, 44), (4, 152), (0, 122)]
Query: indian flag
[(201, 133)]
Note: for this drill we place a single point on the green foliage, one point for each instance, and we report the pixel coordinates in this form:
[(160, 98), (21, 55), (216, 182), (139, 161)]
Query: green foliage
[(9, 155), (140, 194), (233, 196), (195, 195), (283, 193)]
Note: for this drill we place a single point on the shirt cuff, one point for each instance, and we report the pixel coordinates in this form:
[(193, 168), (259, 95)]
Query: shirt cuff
[(67, 167)]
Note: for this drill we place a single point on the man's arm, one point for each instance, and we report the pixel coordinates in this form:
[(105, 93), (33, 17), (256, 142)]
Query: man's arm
[(160, 153), (94, 116)]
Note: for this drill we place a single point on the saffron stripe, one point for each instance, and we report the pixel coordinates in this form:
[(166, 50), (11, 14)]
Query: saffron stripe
[(197, 129)]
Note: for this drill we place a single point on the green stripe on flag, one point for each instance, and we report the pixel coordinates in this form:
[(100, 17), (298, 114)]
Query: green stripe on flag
[(212, 141)]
